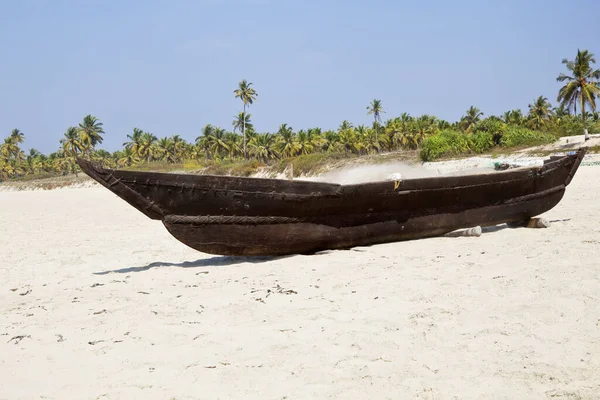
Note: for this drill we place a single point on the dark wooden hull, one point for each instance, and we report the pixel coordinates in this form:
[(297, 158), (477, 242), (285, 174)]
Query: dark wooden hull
[(250, 216)]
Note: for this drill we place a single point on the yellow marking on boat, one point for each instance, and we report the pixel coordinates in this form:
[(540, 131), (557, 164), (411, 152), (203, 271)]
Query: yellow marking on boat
[(396, 184)]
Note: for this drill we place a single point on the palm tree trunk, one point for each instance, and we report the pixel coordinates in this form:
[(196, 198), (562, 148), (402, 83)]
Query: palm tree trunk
[(585, 131), (244, 131), (376, 130)]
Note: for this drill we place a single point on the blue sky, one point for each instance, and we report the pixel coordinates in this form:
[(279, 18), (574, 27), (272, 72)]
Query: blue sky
[(170, 66)]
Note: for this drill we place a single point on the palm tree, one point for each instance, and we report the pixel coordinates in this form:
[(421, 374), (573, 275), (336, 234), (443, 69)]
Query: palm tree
[(376, 109), (583, 85), (90, 132), (17, 136), (540, 112), (263, 147), (287, 141), (178, 147), (514, 117), (242, 122), (423, 126), (232, 140), (471, 118), (71, 143), (347, 141), (128, 158), (345, 125), (31, 159), (135, 139), (166, 150), (247, 94), (218, 142), (203, 144), (146, 150)]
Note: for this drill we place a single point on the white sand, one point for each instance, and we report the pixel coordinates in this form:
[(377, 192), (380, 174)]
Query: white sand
[(110, 306)]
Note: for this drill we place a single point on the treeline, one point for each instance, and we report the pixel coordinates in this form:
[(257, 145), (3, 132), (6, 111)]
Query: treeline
[(433, 137)]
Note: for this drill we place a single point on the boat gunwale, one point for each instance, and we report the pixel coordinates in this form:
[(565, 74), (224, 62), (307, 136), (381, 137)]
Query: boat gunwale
[(338, 188)]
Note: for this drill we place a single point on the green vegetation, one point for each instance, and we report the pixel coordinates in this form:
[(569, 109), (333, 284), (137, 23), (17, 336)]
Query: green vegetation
[(219, 151)]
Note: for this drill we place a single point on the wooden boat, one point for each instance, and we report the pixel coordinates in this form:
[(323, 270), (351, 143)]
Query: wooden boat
[(250, 216)]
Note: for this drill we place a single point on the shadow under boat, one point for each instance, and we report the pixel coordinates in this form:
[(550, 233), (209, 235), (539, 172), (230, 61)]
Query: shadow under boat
[(217, 261)]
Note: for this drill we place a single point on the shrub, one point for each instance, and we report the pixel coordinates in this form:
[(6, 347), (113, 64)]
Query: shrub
[(494, 126), (444, 144), (573, 126), (517, 136), (308, 164), (233, 168), (481, 142)]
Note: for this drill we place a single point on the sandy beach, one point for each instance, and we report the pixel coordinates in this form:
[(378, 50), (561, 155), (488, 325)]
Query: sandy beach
[(99, 302)]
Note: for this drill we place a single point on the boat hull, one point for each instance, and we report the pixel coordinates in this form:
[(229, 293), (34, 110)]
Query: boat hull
[(249, 216), (244, 239)]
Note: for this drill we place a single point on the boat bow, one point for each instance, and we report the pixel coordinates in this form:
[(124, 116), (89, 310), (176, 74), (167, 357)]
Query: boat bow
[(106, 178)]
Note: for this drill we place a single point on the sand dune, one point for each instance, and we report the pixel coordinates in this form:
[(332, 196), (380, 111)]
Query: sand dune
[(99, 302)]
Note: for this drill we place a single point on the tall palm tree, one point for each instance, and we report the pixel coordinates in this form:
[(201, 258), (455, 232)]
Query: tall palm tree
[(90, 131), (583, 85), (247, 94), (375, 108)]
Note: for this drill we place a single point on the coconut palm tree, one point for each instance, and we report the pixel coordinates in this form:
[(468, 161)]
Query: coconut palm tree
[(90, 132), (263, 147), (165, 149), (232, 140), (135, 140), (146, 150), (513, 117), (346, 140), (287, 142), (128, 158), (423, 126), (345, 125), (242, 122), (218, 142), (247, 94), (472, 117), (393, 128), (540, 112), (71, 143), (203, 144), (17, 136), (583, 85), (178, 147), (375, 108)]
